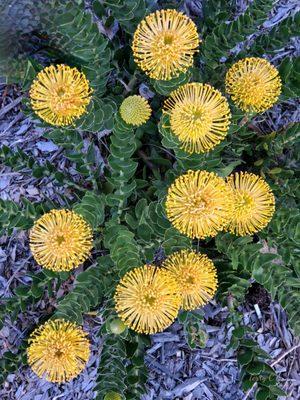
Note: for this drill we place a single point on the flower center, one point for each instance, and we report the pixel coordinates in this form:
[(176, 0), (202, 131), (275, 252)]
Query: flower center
[(190, 280), (166, 48), (196, 204), (191, 121), (58, 353), (168, 39), (244, 203), (65, 100), (198, 114), (252, 88), (150, 300), (60, 239), (60, 92), (187, 283)]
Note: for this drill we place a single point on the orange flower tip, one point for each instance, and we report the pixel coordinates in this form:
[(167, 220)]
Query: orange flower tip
[(199, 204), (199, 116), (147, 299), (254, 84), (195, 275), (164, 44), (254, 203), (61, 240), (58, 351), (135, 110), (60, 94)]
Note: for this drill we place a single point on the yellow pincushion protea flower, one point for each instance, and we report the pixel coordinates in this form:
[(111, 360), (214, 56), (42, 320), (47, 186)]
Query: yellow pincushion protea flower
[(199, 204), (196, 277), (254, 84), (164, 44), (112, 396), (254, 203), (135, 110), (147, 299), (61, 240), (60, 94), (199, 116), (58, 351)]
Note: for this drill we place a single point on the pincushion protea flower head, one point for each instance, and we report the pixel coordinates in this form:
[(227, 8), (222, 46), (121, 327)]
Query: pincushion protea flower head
[(112, 396), (254, 203), (199, 116), (164, 44), (135, 110), (58, 351), (147, 299), (60, 94), (61, 240), (196, 277), (254, 84), (199, 204)]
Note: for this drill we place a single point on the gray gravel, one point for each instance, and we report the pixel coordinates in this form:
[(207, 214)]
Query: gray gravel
[(212, 373)]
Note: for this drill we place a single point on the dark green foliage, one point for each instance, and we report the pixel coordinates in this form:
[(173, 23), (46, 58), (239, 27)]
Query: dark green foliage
[(112, 370), (24, 295), (86, 160), (121, 367), (215, 12), (89, 289), (10, 362), (275, 144), (234, 270), (289, 71), (276, 38), (279, 156), (20, 216), (154, 231), (85, 47), (122, 167), (284, 235), (193, 326), (17, 45), (246, 260), (136, 372), (91, 208), (225, 36), (166, 87), (123, 248), (99, 115), (127, 12)]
